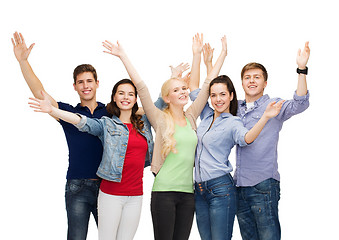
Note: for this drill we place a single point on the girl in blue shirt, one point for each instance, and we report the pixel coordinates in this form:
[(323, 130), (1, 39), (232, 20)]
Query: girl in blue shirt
[(218, 132)]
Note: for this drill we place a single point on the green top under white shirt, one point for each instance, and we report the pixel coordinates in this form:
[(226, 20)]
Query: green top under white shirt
[(176, 174)]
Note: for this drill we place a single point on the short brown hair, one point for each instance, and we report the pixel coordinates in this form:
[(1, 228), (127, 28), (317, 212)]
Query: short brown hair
[(84, 68), (254, 65)]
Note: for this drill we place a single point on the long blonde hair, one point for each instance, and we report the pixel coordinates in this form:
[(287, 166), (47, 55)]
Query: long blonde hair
[(168, 135)]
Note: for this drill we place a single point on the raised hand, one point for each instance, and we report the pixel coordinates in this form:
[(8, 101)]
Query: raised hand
[(43, 105), (207, 53), (19, 46), (273, 109), (303, 56), (197, 43), (224, 44), (186, 78), (178, 70), (114, 49)]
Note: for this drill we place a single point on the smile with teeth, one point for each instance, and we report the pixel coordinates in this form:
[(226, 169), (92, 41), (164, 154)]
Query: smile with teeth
[(219, 104), (86, 91), (124, 103)]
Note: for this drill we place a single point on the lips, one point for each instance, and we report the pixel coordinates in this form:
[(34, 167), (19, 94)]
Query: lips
[(218, 105), (86, 91), (125, 103)]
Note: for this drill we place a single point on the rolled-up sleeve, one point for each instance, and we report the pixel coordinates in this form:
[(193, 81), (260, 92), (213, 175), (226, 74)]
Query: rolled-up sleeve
[(82, 123), (239, 132), (295, 106), (93, 126)]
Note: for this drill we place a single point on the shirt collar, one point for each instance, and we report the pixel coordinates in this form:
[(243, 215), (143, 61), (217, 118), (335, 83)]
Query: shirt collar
[(100, 106), (223, 115), (258, 102)]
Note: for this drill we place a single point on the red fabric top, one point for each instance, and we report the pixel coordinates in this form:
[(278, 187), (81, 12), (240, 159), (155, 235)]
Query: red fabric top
[(133, 169)]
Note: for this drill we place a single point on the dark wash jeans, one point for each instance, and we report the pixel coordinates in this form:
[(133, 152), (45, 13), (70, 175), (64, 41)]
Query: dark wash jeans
[(257, 211), (172, 215), (81, 200), (215, 206)]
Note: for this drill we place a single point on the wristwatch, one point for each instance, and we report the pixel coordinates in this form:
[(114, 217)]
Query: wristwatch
[(302, 71)]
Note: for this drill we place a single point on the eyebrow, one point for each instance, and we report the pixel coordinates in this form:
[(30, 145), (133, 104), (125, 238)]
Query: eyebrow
[(121, 91), (91, 79)]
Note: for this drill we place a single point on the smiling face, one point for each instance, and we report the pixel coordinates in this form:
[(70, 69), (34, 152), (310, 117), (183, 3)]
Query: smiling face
[(253, 83), (176, 92), (86, 86), (125, 97), (220, 98)]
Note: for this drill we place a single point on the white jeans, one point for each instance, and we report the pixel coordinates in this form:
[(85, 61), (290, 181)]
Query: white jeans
[(118, 216)]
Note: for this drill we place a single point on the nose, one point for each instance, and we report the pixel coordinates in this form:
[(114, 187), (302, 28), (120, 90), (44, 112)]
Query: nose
[(252, 79)]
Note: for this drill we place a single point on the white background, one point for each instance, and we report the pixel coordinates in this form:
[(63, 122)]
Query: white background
[(157, 34)]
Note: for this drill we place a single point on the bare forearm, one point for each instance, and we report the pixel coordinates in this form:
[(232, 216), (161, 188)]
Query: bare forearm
[(65, 116), (132, 72), (302, 85), (195, 72), (209, 67), (217, 66), (31, 79), (252, 134)]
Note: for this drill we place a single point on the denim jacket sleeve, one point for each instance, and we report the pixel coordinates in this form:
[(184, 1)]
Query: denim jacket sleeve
[(93, 126), (160, 103)]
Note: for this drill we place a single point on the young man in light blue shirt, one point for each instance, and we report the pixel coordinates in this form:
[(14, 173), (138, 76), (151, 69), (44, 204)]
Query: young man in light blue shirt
[(257, 177)]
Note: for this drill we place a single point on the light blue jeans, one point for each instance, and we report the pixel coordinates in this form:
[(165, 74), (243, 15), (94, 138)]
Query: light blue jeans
[(215, 206), (257, 211)]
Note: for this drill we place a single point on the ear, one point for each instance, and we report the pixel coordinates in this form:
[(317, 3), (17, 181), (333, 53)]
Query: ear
[(231, 96), (74, 87), (265, 84), (166, 99), (97, 83), (136, 99)]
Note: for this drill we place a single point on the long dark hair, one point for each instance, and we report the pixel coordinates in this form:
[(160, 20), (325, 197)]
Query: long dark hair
[(230, 87), (114, 110)]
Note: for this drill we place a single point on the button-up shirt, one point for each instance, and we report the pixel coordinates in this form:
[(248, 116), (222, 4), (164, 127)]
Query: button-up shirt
[(258, 161), (215, 142)]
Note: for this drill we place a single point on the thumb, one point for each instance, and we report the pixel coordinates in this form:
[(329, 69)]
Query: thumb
[(31, 47)]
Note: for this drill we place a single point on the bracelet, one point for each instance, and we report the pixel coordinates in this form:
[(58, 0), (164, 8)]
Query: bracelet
[(302, 71)]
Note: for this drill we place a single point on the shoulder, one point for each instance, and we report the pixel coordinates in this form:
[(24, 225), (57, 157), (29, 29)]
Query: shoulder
[(66, 106)]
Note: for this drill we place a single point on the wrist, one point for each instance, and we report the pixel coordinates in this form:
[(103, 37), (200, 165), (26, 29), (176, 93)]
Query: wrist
[(224, 52), (265, 117), (302, 70), (22, 61)]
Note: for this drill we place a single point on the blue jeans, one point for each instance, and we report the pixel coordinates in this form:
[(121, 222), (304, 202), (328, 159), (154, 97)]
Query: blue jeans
[(257, 211), (81, 200), (215, 206)]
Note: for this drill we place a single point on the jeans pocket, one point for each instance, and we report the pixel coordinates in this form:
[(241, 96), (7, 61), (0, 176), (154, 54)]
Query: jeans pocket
[(264, 187), (74, 186), (222, 190)]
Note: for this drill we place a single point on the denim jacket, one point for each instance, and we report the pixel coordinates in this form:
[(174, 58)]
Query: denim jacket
[(114, 137)]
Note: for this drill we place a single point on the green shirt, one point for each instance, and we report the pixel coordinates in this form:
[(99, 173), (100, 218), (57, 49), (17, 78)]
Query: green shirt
[(176, 174)]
